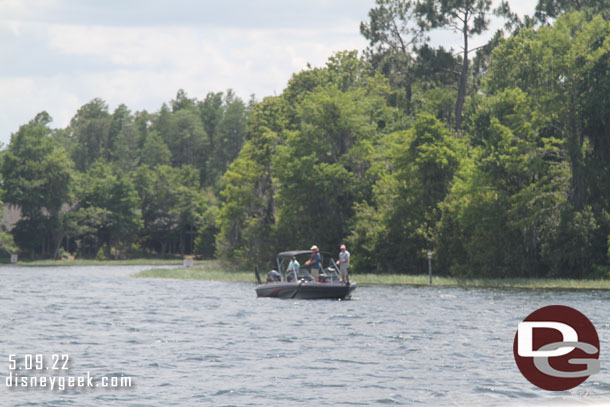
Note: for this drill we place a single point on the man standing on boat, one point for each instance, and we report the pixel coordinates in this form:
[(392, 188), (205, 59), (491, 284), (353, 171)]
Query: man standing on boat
[(343, 264), (314, 263)]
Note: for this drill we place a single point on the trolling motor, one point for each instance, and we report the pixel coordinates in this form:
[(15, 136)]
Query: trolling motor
[(257, 275)]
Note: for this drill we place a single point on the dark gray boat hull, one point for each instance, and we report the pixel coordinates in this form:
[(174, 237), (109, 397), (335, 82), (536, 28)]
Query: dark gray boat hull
[(307, 291)]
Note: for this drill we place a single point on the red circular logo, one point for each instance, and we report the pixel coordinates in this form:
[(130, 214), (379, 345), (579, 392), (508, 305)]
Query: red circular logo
[(556, 348)]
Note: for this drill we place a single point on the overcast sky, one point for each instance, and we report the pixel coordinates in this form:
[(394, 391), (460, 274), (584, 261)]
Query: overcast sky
[(60, 54)]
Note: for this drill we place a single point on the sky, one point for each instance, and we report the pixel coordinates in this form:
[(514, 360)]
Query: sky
[(60, 54)]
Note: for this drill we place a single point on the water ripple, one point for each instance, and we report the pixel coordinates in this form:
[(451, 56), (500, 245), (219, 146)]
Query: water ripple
[(214, 343)]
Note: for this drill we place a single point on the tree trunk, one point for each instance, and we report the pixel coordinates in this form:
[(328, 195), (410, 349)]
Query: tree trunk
[(578, 184), (409, 96), (58, 246), (575, 141), (461, 96), (182, 242)]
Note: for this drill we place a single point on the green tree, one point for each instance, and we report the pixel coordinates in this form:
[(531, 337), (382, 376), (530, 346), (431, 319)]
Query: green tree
[(123, 139), (156, 191), (392, 32), (394, 229), (188, 207), (154, 151), (84, 226), (398, 48), (468, 17), (305, 161), (110, 193), (322, 169), (506, 198), (7, 243), (37, 177), (187, 140), (183, 133), (205, 241), (211, 110), (89, 132), (246, 217), (230, 133), (183, 102), (563, 70), (547, 10), (175, 210), (224, 120)]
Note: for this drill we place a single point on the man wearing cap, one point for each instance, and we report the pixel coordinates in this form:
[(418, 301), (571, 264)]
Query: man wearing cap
[(314, 263), (343, 263)]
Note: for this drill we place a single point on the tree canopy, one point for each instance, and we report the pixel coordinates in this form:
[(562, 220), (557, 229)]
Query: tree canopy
[(496, 163)]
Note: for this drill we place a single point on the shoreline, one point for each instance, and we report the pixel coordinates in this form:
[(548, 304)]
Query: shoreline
[(213, 270), (219, 271), (92, 262)]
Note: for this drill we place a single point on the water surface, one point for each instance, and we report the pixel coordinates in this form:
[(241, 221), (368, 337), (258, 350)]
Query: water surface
[(214, 343)]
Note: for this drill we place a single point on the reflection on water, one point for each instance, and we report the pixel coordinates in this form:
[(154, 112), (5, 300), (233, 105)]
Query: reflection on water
[(215, 343)]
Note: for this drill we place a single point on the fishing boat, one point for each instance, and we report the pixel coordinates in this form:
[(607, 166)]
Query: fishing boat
[(283, 283)]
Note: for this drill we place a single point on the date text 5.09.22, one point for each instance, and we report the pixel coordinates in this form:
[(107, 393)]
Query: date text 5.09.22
[(38, 362)]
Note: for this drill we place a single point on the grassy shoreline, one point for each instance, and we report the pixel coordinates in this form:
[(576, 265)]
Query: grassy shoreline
[(91, 262), (213, 270), (508, 283), (217, 270), (209, 270)]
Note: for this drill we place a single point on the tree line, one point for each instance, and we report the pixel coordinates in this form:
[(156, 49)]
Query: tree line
[(122, 184), (496, 159)]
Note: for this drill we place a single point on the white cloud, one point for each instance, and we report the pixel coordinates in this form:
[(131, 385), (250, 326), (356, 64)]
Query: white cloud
[(60, 54), (145, 66), (23, 98)]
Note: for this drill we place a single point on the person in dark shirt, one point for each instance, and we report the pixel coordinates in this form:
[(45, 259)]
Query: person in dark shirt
[(314, 263)]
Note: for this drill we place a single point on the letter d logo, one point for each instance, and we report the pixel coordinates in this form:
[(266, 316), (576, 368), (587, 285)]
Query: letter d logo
[(556, 348), (526, 339)]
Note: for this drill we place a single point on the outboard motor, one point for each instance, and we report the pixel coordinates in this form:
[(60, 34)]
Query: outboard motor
[(274, 276)]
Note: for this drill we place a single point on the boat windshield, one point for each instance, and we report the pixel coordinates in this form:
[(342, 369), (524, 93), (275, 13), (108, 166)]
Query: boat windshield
[(329, 273)]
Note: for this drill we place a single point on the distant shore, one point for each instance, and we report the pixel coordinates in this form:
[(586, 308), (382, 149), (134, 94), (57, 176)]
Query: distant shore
[(214, 270), (220, 271), (209, 270), (93, 262)]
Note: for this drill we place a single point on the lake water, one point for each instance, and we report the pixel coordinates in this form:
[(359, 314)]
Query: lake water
[(190, 343)]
